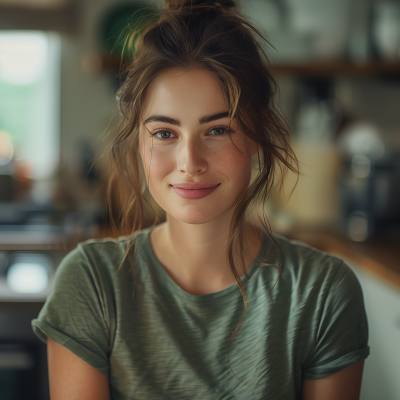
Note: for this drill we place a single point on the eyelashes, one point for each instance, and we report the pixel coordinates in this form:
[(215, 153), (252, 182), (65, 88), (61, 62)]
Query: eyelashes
[(164, 134), (157, 134), (225, 129)]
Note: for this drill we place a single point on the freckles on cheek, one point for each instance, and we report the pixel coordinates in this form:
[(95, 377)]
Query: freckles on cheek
[(235, 164)]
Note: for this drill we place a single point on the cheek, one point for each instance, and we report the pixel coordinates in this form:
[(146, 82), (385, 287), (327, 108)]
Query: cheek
[(157, 164), (234, 164)]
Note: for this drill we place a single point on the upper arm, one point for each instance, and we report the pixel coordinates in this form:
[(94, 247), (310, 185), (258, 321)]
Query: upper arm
[(343, 385), (72, 378)]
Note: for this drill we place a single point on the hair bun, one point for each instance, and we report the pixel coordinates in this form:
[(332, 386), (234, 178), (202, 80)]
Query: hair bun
[(187, 4)]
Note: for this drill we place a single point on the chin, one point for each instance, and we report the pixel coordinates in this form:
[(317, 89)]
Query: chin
[(193, 220), (196, 222), (197, 217)]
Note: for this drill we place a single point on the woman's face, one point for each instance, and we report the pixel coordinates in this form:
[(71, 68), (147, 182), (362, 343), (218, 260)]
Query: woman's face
[(195, 170)]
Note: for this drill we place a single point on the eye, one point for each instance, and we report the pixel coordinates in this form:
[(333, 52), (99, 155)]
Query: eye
[(219, 130), (163, 134)]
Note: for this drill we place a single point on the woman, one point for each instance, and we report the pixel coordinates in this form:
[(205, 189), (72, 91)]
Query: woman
[(209, 304)]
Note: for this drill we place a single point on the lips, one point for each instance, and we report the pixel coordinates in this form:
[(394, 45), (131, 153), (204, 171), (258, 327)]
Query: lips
[(194, 191), (195, 186)]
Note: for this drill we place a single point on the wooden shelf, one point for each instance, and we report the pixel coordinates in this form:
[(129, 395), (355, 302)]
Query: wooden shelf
[(339, 68), (310, 69)]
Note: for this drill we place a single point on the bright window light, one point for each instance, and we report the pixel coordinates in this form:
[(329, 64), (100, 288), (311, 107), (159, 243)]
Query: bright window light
[(22, 57), (30, 98)]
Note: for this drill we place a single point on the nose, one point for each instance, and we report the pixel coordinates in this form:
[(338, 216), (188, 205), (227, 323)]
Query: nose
[(191, 157)]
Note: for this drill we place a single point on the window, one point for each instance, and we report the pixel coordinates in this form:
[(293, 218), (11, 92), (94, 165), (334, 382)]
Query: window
[(30, 100)]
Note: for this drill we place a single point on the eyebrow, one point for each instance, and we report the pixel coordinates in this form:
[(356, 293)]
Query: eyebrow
[(213, 117), (173, 121)]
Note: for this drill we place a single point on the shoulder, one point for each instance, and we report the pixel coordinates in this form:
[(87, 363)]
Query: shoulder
[(310, 272), (318, 301), (100, 258), (299, 258)]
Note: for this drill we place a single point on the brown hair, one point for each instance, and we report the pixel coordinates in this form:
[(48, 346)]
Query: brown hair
[(213, 36)]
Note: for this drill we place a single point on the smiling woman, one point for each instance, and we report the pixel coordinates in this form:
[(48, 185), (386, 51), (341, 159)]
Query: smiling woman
[(194, 145), (159, 314)]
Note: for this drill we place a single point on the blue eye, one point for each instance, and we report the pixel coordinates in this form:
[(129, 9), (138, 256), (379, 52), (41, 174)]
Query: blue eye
[(163, 134), (219, 130)]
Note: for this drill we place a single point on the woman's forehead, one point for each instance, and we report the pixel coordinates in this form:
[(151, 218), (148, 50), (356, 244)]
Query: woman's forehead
[(179, 91)]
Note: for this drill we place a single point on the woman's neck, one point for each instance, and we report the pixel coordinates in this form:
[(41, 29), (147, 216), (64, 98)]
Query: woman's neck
[(194, 255)]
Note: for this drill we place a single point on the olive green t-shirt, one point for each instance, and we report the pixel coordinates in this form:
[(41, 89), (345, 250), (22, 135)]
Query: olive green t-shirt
[(155, 341)]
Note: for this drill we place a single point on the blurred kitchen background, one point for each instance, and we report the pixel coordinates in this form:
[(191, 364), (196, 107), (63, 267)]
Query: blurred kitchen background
[(337, 63)]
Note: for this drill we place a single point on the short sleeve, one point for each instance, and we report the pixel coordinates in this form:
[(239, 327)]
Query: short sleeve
[(73, 314), (341, 336)]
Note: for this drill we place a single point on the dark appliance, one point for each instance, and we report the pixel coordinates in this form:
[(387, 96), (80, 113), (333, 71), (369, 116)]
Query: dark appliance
[(370, 196), (23, 357)]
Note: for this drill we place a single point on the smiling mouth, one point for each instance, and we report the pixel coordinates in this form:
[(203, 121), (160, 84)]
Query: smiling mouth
[(194, 186), (193, 191)]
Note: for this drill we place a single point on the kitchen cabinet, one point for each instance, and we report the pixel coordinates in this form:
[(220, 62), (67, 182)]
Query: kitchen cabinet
[(382, 303), (23, 357)]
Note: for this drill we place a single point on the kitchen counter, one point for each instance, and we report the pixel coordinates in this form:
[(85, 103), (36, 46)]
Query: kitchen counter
[(37, 238), (381, 259)]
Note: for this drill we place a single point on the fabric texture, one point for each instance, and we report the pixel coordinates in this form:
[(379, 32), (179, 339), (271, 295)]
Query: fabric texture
[(153, 340)]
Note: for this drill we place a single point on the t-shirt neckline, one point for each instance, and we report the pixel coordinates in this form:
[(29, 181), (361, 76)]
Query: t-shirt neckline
[(174, 289)]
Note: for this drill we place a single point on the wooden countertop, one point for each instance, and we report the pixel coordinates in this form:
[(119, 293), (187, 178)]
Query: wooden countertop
[(378, 257)]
